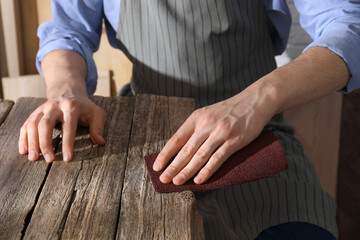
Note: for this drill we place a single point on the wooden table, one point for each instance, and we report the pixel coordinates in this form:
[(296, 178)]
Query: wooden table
[(104, 193)]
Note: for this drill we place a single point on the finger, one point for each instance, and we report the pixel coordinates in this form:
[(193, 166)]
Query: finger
[(33, 137), (23, 143), (96, 126), (175, 143), (46, 126), (214, 163), (68, 137), (198, 160), (183, 157)]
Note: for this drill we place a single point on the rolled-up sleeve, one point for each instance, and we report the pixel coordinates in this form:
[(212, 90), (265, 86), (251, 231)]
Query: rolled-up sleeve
[(75, 26), (335, 24)]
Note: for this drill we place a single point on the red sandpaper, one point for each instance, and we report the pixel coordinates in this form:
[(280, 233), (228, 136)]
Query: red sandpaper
[(262, 158)]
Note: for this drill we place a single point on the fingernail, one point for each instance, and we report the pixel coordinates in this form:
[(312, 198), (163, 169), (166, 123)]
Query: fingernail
[(180, 179), (157, 166), (22, 149), (165, 177), (33, 155), (48, 158), (101, 137), (66, 156), (198, 179)]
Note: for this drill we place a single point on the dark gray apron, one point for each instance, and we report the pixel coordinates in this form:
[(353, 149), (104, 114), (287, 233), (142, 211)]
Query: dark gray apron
[(211, 50)]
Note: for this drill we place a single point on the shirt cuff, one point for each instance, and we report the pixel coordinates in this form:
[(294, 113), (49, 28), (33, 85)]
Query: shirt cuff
[(343, 42), (68, 44)]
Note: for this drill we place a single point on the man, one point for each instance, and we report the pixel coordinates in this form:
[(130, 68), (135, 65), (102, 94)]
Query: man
[(222, 54)]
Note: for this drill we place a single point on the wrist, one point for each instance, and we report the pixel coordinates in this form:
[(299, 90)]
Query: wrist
[(271, 88), (269, 97), (260, 97), (72, 86), (314, 74), (64, 73)]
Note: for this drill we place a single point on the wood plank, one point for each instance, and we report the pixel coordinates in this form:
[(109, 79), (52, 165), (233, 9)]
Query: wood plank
[(81, 199), (10, 14), (144, 213), (5, 107), (20, 179), (317, 126)]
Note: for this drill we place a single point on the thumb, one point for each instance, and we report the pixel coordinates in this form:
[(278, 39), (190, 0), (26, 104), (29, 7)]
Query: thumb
[(96, 128)]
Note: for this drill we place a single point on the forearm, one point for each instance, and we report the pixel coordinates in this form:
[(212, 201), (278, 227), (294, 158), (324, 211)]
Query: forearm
[(314, 74), (64, 73)]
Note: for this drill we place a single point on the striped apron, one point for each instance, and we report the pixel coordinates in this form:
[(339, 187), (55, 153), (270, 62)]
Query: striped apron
[(210, 50)]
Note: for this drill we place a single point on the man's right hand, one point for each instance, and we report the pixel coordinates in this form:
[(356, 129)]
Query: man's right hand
[(68, 103)]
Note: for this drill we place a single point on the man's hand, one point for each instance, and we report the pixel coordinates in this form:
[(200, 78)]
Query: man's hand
[(36, 133), (68, 103), (211, 135)]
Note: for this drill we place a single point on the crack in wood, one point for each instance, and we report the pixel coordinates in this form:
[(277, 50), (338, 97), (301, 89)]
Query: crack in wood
[(30, 213), (72, 199), (122, 185), (63, 221)]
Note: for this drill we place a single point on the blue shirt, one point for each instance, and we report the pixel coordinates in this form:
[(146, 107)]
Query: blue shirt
[(77, 25)]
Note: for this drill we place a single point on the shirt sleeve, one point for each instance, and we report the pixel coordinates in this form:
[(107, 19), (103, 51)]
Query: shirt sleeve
[(279, 24), (76, 26), (335, 24)]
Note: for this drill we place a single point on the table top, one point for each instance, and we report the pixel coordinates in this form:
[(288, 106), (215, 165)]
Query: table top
[(105, 192)]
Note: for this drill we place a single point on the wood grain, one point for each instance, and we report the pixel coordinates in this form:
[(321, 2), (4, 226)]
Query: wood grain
[(145, 214), (5, 107), (20, 179), (317, 126), (81, 199)]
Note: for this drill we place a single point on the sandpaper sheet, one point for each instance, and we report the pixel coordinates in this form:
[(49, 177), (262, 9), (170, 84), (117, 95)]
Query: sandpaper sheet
[(262, 158)]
